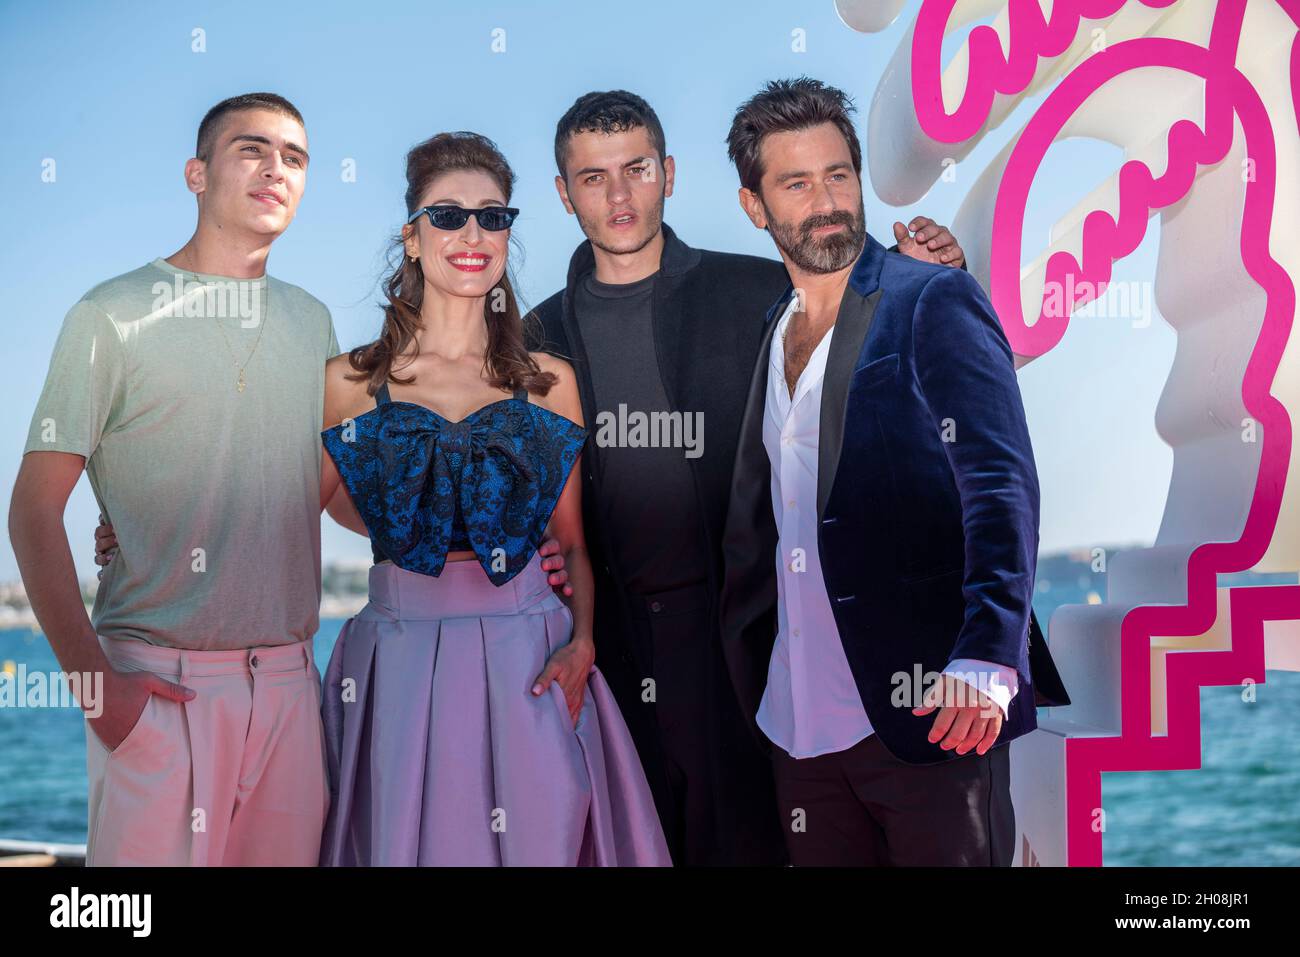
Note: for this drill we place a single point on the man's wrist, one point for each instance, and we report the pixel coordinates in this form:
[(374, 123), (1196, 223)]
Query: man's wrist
[(981, 683)]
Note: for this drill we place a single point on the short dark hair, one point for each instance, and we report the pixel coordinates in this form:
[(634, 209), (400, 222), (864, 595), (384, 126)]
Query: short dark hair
[(614, 111), (783, 106), (247, 101)]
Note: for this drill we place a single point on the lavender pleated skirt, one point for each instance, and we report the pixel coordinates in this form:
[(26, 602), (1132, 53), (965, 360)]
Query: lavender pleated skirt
[(439, 754)]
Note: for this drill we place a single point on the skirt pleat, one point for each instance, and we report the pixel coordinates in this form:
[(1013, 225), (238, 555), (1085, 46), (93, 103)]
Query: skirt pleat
[(439, 754)]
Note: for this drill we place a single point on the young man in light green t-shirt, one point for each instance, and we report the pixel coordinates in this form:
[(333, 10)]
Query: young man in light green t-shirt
[(190, 390)]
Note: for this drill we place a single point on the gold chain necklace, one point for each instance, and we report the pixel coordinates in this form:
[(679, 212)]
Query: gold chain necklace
[(239, 383)]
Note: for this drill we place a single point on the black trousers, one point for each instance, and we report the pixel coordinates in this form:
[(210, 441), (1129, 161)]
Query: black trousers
[(711, 783), (864, 807)]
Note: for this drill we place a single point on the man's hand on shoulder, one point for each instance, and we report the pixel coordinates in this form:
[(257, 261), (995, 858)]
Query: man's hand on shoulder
[(926, 240)]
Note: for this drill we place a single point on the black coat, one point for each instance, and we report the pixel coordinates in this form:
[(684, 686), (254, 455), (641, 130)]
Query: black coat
[(707, 316)]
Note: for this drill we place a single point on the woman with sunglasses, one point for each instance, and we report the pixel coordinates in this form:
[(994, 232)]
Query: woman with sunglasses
[(465, 721)]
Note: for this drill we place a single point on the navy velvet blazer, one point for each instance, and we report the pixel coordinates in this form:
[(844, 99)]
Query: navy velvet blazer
[(927, 499)]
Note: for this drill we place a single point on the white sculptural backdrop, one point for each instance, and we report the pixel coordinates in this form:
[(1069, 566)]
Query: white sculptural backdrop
[(1201, 97)]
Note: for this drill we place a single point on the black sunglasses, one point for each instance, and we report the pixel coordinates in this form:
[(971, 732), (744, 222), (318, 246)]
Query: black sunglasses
[(492, 218)]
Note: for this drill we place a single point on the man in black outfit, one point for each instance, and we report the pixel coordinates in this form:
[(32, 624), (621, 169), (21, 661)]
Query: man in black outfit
[(663, 339)]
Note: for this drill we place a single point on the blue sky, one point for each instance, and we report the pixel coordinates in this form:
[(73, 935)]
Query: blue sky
[(113, 93)]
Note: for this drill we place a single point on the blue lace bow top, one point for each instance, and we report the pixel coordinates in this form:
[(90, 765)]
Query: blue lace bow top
[(425, 486)]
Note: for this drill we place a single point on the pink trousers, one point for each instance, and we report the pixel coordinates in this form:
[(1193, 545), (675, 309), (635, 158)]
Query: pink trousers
[(235, 776)]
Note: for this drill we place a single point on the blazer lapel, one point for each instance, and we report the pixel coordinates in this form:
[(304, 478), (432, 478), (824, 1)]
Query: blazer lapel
[(851, 325), (667, 312), (750, 509)]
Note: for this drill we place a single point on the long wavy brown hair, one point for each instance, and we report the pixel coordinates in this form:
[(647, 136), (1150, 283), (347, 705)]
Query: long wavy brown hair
[(508, 364)]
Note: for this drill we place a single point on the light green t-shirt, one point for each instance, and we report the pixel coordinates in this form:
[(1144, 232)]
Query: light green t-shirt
[(213, 492)]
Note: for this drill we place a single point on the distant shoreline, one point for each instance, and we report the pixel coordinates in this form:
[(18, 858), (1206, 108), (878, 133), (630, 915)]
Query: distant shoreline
[(1072, 576), (331, 607)]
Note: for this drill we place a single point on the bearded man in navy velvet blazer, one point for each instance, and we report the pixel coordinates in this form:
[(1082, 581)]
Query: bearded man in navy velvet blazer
[(885, 476)]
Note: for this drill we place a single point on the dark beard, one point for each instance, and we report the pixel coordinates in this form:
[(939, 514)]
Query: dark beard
[(826, 254)]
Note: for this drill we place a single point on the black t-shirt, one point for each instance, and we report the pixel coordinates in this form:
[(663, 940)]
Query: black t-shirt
[(647, 493)]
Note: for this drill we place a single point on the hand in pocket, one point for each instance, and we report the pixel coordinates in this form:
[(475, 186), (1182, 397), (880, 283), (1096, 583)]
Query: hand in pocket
[(126, 695)]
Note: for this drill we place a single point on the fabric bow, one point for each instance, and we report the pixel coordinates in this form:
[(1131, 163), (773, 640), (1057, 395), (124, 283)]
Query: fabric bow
[(408, 470)]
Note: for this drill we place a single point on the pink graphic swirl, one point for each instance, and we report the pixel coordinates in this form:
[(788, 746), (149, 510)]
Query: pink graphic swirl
[(1106, 239)]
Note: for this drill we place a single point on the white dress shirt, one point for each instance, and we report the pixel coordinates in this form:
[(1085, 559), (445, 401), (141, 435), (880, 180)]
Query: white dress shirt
[(811, 704)]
